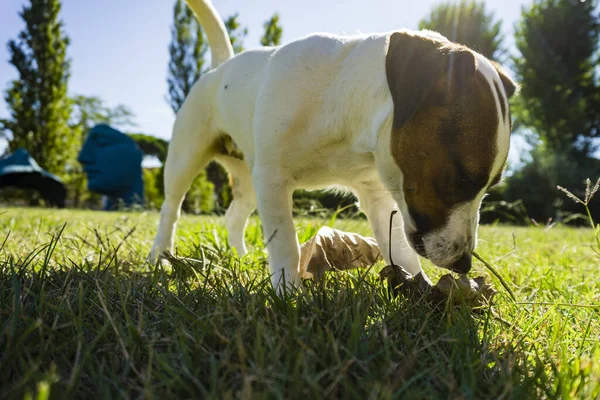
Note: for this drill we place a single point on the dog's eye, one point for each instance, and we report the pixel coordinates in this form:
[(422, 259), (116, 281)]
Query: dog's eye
[(462, 179), (464, 182)]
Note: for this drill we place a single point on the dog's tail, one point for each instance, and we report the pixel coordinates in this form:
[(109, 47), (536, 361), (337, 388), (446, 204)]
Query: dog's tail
[(218, 38)]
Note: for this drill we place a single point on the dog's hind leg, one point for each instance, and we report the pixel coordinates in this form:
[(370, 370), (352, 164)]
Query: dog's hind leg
[(183, 164), (191, 148), (243, 203)]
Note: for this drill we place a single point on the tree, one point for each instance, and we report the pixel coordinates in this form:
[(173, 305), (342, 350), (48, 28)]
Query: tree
[(273, 31), (151, 146), (91, 110), (237, 33), (37, 100), (467, 23), (560, 93), (187, 52)]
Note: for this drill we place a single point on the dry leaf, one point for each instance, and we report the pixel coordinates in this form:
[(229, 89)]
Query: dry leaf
[(336, 250), (461, 290)]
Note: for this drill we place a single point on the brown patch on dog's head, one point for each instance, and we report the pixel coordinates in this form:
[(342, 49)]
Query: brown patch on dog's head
[(444, 130)]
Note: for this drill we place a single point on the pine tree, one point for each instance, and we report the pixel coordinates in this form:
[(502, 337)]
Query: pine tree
[(467, 23), (237, 33), (187, 54), (37, 100), (273, 31), (559, 100)]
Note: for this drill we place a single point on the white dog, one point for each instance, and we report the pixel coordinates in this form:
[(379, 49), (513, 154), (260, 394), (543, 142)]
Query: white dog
[(405, 120)]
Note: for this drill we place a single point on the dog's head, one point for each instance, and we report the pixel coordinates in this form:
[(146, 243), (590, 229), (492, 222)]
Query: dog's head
[(450, 140)]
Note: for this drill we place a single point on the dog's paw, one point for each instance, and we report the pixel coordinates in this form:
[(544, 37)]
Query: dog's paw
[(153, 257), (288, 285), (157, 255), (156, 260), (161, 248)]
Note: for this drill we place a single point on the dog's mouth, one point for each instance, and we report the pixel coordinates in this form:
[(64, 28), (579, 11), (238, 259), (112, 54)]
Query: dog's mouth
[(460, 263)]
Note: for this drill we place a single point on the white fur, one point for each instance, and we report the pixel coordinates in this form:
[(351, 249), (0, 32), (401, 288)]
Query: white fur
[(313, 113)]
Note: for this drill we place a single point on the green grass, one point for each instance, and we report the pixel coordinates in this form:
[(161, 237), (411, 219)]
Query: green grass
[(81, 315)]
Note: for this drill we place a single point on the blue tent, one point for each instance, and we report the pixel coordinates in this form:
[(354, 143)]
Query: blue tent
[(20, 170)]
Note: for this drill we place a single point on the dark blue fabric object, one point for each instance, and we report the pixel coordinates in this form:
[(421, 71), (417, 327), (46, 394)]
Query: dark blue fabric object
[(113, 165), (19, 169)]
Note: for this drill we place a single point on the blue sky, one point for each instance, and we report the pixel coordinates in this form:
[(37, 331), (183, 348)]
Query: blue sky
[(119, 47)]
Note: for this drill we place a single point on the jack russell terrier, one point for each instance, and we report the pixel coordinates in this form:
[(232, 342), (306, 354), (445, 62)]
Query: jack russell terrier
[(405, 120)]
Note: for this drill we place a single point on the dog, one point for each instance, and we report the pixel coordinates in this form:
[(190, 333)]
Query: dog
[(405, 120)]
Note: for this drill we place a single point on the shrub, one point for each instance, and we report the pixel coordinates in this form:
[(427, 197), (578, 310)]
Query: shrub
[(153, 191), (534, 186), (200, 198)]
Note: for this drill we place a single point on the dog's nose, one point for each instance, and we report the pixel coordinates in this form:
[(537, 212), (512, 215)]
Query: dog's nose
[(463, 264)]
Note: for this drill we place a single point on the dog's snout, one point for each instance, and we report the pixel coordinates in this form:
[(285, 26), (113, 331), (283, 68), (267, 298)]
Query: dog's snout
[(463, 264)]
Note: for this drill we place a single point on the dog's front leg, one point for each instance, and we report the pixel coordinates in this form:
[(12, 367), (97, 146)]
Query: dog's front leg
[(275, 211), (376, 202)]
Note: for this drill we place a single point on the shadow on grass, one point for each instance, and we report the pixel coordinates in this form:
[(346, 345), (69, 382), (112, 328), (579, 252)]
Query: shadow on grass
[(213, 328)]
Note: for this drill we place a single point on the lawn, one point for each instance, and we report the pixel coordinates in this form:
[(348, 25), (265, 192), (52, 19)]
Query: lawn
[(82, 315)]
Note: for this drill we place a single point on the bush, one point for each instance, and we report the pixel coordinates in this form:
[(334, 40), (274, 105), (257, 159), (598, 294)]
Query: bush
[(200, 199), (323, 202), (11, 196), (535, 187), (153, 191)]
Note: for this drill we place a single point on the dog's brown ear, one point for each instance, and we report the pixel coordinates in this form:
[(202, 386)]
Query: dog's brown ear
[(421, 70), (510, 86)]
